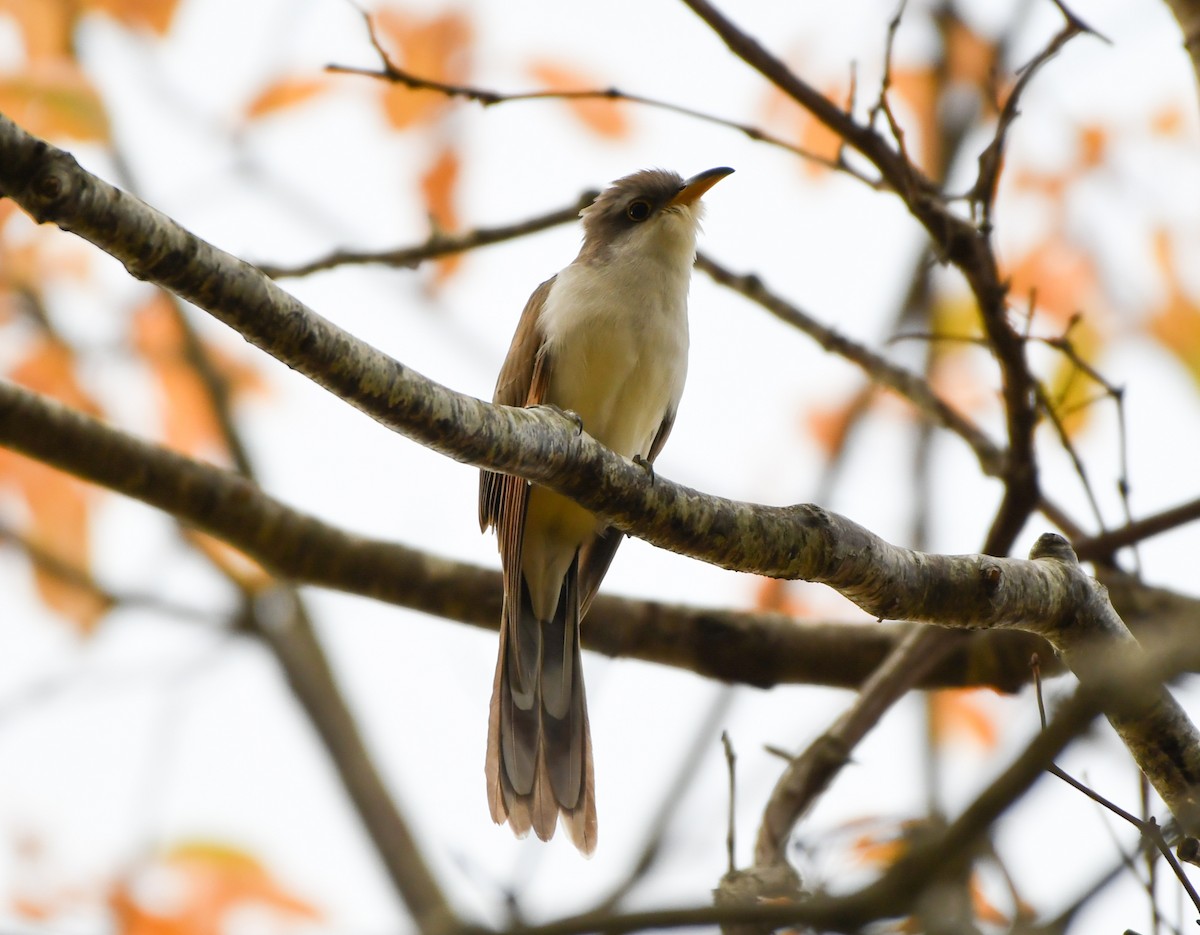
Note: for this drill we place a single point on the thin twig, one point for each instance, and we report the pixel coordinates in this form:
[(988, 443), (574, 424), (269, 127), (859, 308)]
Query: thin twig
[(488, 97), (439, 243), (906, 383), (672, 798), (731, 833), (1149, 829), (983, 193)]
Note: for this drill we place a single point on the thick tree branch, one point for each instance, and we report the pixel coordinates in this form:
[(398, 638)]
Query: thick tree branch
[(897, 891), (759, 649), (782, 542), (1047, 595)]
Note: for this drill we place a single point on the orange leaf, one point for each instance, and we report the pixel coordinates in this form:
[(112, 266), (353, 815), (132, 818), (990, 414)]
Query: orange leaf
[(957, 381), (829, 426), (775, 595), (791, 121), (604, 117), (236, 565), (49, 368), (193, 888), (970, 57), (878, 851), (437, 49), (53, 98), (59, 505), (60, 526), (284, 93), (1063, 278), (1093, 145), (959, 713), (190, 422), (439, 186), (1169, 121), (917, 89), (44, 25), (29, 908), (154, 15), (984, 909)]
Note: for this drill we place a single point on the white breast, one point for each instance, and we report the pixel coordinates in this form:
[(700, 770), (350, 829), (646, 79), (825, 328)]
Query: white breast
[(618, 334)]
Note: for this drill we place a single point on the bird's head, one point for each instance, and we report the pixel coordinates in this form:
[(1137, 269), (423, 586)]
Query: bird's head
[(654, 212)]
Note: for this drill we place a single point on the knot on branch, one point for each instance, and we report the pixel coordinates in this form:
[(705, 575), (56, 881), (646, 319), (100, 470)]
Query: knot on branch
[(1053, 546), (49, 182), (768, 883)]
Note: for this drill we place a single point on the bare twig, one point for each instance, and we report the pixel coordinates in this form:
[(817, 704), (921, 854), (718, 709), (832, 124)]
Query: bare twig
[(1148, 829), (1101, 547), (904, 382), (897, 890), (439, 244), (488, 97), (731, 833), (809, 775), (983, 193), (685, 775)]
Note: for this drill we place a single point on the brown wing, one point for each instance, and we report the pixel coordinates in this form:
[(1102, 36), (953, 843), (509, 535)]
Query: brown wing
[(597, 555), (522, 382)]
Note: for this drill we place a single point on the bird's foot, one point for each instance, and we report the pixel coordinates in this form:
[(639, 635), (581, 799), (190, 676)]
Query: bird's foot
[(569, 414), (645, 465)]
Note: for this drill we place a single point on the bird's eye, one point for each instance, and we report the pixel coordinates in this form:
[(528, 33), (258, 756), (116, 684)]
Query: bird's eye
[(638, 210)]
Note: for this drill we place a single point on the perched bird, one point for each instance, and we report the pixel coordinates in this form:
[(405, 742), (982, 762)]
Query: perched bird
[(607, 340)]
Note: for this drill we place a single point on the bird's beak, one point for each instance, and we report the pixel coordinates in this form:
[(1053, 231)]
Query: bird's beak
[(698, 184)]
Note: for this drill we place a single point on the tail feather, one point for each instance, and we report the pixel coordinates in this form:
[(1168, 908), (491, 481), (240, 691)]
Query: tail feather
[(539, 758), (581, 820)]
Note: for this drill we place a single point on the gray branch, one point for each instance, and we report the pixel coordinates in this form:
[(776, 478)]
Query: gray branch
[(1049, 594)]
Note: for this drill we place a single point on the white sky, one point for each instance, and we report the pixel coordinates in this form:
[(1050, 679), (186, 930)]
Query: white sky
[(159, 731)]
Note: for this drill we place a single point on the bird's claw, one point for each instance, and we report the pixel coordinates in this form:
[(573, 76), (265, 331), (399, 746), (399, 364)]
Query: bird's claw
[(569, 414), (645, 465)]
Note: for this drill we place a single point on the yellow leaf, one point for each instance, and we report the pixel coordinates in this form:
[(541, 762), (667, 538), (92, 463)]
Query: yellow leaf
[(1070, 389), (53, 98), (603, 117)]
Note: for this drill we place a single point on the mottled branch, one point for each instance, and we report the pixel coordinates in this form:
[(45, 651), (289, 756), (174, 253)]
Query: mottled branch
[(1047, 595)]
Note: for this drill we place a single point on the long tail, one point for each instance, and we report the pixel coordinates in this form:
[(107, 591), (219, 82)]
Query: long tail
[(539, 752)]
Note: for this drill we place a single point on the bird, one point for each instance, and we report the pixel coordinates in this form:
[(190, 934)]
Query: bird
[(605, 340)]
